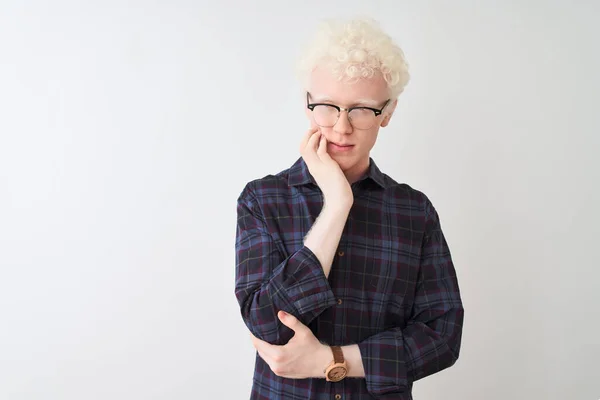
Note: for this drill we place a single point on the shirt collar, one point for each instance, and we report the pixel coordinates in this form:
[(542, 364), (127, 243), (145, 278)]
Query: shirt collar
[(300, 175)]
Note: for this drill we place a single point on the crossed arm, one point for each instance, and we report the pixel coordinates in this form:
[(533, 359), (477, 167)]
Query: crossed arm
[(390, 360)]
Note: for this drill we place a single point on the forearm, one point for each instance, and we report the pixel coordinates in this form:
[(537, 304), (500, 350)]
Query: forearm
[(354, 361), (395, 358), (324, 236), (297, 286)]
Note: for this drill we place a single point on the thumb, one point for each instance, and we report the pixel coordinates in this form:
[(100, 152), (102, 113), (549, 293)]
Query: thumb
[(290, 321)]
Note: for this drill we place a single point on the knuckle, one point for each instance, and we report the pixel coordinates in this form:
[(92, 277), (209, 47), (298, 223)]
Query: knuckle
[(304, 334)]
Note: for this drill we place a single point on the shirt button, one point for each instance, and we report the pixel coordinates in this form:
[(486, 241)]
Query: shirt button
[(339, 301), (341, 253), (338, 396)]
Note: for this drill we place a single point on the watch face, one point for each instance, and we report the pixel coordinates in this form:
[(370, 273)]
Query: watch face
[(337, 373)]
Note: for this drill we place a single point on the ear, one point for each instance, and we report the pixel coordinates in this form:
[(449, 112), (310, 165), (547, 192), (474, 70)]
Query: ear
[(388, 113)]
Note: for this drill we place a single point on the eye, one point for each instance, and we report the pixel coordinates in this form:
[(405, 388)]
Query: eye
[(362, 111)]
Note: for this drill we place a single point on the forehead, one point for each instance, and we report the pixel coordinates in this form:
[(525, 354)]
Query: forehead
[(324, 86)]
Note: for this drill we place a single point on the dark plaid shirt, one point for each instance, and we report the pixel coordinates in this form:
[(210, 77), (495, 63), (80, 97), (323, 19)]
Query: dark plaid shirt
[(392, 288)]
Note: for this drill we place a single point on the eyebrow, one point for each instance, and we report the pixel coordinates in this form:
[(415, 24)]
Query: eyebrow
[(359, 102)]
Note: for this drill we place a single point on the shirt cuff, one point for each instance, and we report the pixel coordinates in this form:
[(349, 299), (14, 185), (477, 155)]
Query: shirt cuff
[(303, 283), (383, 363)]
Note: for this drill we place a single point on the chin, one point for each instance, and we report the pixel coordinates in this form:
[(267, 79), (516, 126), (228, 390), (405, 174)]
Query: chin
[(345, 163)]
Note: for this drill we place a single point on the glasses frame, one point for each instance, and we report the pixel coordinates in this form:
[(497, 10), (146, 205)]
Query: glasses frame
[(376, 111)]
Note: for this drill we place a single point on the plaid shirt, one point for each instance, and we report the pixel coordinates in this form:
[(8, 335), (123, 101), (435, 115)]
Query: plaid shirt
[(392, 288)]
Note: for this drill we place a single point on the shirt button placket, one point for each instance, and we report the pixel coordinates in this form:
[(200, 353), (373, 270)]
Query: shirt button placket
[(340, 254)]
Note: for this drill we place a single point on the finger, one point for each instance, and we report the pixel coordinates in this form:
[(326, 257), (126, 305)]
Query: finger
[(292, 322), (307, 136), (260, 353), (266, 348), (309, 153), (322, 146), (254, 340), (313, 141), (322, 151)]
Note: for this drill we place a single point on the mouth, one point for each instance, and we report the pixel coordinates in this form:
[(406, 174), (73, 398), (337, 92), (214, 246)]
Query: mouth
[(340, 147)]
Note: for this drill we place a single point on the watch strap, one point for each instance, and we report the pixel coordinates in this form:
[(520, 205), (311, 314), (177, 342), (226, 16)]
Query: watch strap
[(338, 354)]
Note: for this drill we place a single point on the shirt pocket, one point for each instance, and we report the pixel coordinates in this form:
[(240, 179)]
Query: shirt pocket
[(393, 270)]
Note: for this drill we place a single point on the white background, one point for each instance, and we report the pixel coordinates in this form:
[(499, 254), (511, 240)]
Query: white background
[(127, 130)]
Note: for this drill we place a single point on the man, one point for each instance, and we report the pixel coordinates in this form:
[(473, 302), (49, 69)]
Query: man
[(343, 276)]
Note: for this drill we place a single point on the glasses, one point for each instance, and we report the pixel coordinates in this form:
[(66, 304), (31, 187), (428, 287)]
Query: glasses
[(327, 115)]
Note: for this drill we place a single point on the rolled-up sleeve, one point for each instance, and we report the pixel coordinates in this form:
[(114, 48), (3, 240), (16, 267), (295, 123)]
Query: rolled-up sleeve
[(267, 282), (431, 340)]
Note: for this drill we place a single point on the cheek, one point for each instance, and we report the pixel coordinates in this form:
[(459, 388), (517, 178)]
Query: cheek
[(310, 117), (328, 132), (367, 141), (373, 137), (311, 121)]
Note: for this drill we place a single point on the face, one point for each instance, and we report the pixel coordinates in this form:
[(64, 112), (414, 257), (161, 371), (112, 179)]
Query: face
[(350, 146)]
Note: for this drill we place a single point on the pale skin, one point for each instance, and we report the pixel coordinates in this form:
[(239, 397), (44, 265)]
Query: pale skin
[(304, 356)]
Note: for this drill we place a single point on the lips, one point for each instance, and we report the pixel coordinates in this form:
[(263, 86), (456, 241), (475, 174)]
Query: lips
[(340, 148), (342, 145)]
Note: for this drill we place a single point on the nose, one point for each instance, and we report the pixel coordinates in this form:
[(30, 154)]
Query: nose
[(343, 125)]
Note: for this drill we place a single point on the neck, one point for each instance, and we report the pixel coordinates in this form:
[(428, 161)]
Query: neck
[(357, 171)]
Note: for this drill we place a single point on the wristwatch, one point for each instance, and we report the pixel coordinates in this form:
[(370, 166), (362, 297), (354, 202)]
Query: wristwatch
[(337, 370)]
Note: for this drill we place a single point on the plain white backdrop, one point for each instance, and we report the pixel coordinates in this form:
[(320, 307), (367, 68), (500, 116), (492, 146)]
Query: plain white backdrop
[(128, 129)]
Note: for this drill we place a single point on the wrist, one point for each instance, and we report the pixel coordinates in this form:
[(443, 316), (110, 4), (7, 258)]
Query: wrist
[(340, 205), (324, 357)]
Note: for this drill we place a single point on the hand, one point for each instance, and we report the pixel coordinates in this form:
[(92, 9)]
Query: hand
[(326, 171), (302, 357)]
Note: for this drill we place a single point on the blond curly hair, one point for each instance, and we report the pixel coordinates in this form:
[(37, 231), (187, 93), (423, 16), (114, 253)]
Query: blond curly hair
[(355, 49)]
